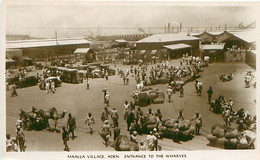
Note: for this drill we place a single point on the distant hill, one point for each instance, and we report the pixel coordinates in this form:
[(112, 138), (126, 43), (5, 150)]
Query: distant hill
[(19, 37)]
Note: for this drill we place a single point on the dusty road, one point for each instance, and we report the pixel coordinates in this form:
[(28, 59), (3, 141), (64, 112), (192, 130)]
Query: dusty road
[(78, 101)]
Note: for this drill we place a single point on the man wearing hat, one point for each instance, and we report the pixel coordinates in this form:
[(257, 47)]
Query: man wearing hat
[(142, 146), (114, 117), (198, 122)]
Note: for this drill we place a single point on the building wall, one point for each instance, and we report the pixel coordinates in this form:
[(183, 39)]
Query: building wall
[(251, 59), (205, 37), (55, 51), (15, 54), (159, 45)]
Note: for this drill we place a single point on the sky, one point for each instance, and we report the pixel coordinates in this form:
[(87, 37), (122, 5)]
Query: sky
[(80, 19)]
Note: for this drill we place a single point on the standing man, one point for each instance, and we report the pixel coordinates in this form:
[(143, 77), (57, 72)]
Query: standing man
[(107, 97), (71, 125), (90, 121), (13, 90), (198, 122), (210, 92), (106, 132), (181, 90), (21, 139), (87, 85), (65, 138), (47, 86), (114, 117), (105, 93), (116, 132), (52, 86), (105, 114), (151, 139), (169, 92)]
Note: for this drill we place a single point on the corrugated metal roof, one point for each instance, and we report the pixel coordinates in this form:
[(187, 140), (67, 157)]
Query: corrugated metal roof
[(167, 38), (121, 41), (177, 46), (44, 43), (81, 50), (248, 36), (212, 46)]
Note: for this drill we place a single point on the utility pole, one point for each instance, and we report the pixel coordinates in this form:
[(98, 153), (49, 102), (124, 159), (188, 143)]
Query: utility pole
[(180, 26)]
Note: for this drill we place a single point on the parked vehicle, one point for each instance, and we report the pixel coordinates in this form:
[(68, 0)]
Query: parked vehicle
[(27, 81)]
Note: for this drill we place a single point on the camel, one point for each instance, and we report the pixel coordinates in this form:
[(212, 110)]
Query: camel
[(53, 114)]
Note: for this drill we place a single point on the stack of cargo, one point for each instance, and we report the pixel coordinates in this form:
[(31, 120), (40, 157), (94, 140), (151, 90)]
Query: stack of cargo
[(233, 139), (149, 95), (183, 129)]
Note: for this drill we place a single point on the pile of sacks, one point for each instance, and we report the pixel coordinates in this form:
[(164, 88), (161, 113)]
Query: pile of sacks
[(182, 129), (148, 96), (232, 138)]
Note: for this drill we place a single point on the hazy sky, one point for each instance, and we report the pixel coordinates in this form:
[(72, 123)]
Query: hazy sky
[(41, 20)]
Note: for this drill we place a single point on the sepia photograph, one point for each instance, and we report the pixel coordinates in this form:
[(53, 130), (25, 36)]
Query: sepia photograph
[(87, 79)]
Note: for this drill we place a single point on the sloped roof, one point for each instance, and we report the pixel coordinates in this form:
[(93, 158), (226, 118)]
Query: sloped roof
[(44, 43), (167, 38), (177, 46), (81, 50), (212, 46), (247, 36), (208, 32)]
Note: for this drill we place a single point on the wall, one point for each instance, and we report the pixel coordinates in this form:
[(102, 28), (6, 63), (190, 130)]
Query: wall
[(251, 59), (45, 52)]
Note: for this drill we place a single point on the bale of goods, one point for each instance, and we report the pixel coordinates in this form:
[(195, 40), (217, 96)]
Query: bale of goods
[(173, 131), (184, 125), (152, 95), (148, 83), (188, 132), (170, 123), (242, 144), (211, 138), (162, 81), (151, 127), (153, 81), (162, 128), (142, 96), (151, 120), (218, 132), (233, 142), (160, 94), (231, 134), (158, 100)]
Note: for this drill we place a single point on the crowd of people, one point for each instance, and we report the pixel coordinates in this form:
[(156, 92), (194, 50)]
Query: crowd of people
[(134, 116)]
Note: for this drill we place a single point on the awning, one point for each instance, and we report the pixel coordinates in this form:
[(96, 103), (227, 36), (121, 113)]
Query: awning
[(81, 50), (154, 52), (142, 52), (121, 41), (213, 47), (177, 46)]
